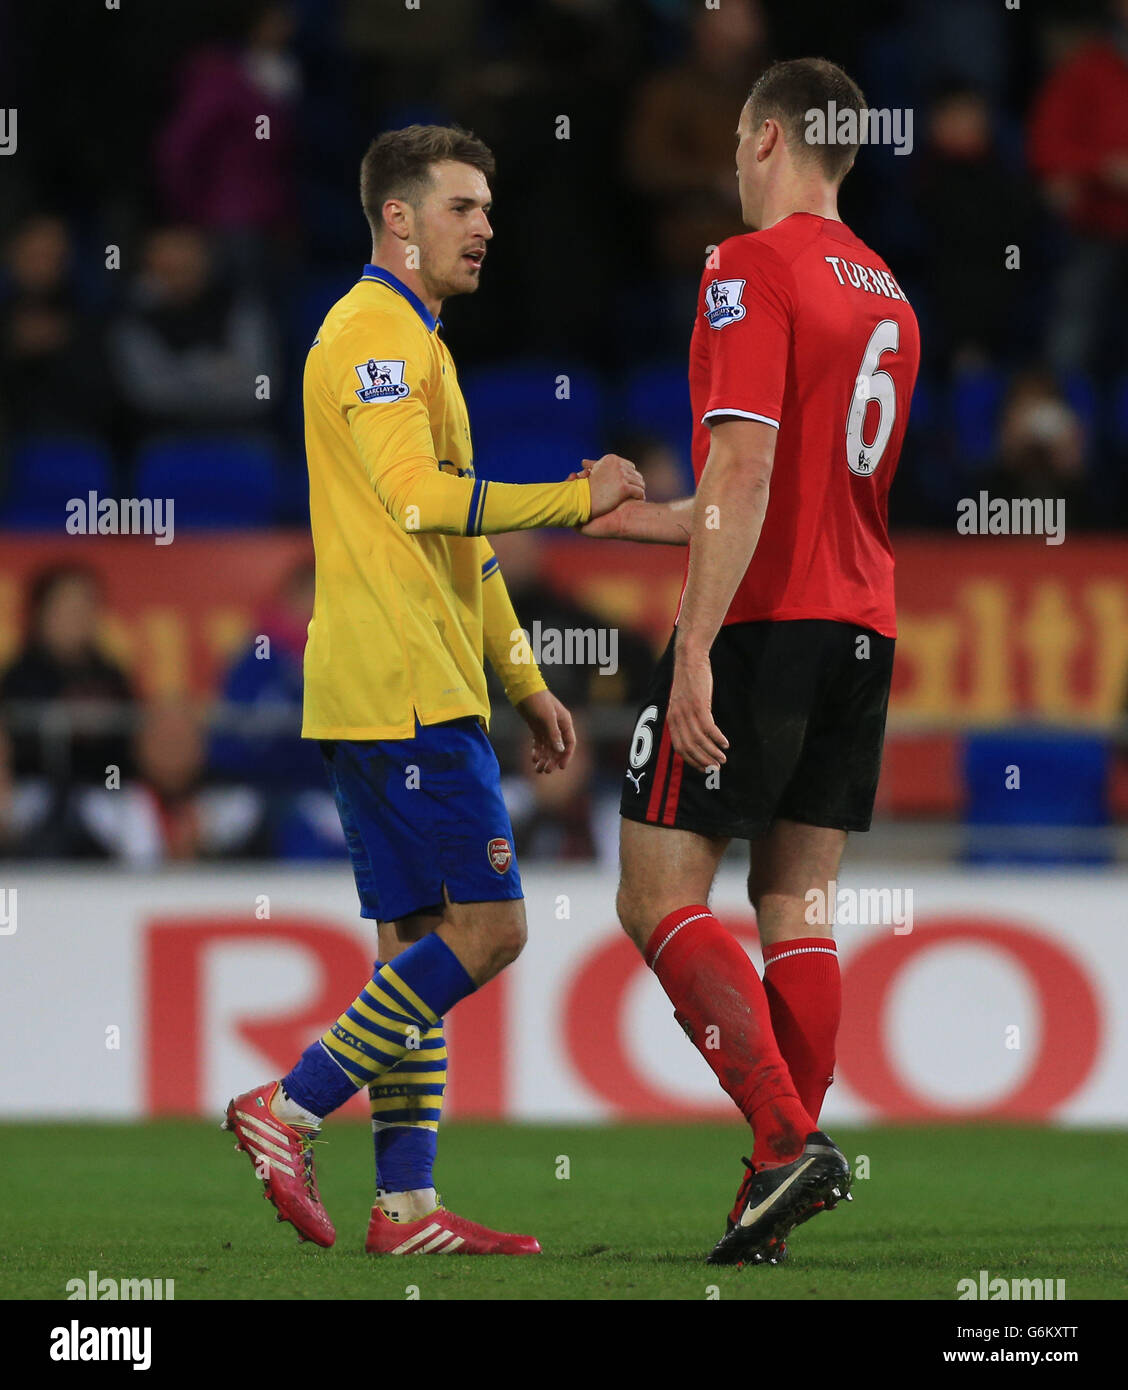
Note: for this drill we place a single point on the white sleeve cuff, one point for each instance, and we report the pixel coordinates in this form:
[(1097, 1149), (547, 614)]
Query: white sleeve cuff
[(743, 414)]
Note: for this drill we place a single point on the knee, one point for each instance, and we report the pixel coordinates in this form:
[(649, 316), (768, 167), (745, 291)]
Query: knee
[(508, 944), (485, 943)]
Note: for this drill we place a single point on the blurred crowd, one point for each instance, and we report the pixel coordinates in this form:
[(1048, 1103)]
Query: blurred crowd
[(91, 769), (183, 209), (218, 162)]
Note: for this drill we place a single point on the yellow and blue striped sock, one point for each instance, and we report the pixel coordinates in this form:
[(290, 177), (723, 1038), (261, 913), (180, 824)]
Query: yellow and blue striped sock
[(390, 1017), (407, 1104)]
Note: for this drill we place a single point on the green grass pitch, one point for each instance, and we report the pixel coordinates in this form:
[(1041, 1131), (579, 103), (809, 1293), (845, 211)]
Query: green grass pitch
[(640, 1208)]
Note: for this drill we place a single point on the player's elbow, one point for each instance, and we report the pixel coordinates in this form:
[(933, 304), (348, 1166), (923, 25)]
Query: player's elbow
[(758, 470), (409, 517), (744, 471), (411, 513)]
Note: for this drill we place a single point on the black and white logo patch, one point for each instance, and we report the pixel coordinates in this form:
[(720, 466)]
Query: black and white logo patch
[(381, 380), (722, 302)]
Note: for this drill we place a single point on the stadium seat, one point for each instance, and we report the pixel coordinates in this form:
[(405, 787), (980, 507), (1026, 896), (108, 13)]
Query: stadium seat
[(533, 458), (1119, 418), (1059, 808), (293, 491), (216, 481), (311, 301), (47, 472), (1081, 395), (976, 400), (521, 398), (922, 412), (657, 402)]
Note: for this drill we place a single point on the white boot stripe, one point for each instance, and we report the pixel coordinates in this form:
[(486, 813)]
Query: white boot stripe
[(439, 1240), (269, 1159), (405, 1246), (274, 1130), (268, 1145)]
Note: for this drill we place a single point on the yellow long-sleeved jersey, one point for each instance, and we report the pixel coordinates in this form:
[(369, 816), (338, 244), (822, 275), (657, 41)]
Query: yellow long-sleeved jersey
[(409, 598)]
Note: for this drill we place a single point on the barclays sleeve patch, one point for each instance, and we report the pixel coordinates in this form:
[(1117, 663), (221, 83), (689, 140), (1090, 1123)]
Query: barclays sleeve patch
[(381, 380), (722, 303)]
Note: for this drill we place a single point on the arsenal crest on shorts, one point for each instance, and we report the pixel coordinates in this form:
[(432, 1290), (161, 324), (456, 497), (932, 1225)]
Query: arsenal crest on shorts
[(500, 855)]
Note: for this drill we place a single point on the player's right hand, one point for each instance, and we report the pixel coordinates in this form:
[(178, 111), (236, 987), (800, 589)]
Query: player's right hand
[(612, 480)]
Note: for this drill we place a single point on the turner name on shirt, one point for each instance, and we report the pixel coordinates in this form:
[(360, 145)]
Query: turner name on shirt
[(864, 277)]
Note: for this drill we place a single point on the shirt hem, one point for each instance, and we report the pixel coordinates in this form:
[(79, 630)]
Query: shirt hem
[(833, 615), (369, 732)]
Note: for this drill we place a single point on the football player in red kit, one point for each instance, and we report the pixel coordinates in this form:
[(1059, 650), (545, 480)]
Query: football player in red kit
[(766, 715)]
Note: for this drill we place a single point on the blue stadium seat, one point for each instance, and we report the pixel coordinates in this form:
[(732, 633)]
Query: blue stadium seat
[(311, 300), (216, 481), (47, 472), (1119, 418), (521, 398), (976, 401), (922, 412), (657, 402), (293, 490), (534, 458), (1081, 395), (1063, 785)]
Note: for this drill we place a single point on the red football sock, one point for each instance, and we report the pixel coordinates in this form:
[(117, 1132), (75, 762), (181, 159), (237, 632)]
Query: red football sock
[(719, 1000), (804, 989)]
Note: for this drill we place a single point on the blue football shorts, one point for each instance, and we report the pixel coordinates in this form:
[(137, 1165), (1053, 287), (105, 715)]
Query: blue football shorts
[(422, 814)]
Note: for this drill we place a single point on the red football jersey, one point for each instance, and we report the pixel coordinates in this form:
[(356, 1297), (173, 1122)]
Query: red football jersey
[(803, 327)]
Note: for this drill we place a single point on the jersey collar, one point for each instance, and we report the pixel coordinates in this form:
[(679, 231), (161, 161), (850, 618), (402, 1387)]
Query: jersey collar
[(377, 272)]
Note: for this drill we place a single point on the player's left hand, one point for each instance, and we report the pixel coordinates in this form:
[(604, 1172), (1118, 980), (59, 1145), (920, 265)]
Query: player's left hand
[(689, 714), (554, 737)]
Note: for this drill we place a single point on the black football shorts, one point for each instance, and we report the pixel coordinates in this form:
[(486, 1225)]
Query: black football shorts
[(802, 704)]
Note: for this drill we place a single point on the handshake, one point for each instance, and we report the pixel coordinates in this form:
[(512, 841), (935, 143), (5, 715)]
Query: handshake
[(613, 480)]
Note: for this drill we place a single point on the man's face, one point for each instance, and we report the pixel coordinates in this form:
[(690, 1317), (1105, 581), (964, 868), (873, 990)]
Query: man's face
[(176, 259), (69, 617), (749, 171), (451, 227)]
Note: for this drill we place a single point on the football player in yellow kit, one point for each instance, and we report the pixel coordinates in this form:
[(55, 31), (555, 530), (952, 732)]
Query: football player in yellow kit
[(409, 602)]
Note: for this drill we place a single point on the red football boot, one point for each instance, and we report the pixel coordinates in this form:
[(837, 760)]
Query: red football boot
[(282, 1156), (441, 1233)]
